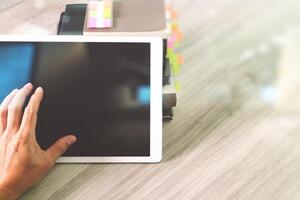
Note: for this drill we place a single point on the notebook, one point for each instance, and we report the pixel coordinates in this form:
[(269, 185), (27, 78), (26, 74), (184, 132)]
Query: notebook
[(134, 18)]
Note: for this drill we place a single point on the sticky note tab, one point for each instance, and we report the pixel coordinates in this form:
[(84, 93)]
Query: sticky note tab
[(173, 14), (170, 43), (174, 61), (173, 42), (174, 27), (91, 22), (173, 58), (170, 53), (100, 23), (107, 13), (92, 13), (175, 66), (180, 59), (179, 36), (107, 23), (177, 85), (100, 14), (108, 4), (93, 5)]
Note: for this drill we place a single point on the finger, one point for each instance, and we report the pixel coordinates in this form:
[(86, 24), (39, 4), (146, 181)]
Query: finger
[(29, 120), (4, 110), (15, 108), (60, 146)]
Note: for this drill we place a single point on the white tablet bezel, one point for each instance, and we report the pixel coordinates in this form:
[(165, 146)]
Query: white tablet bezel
[(156, 60)]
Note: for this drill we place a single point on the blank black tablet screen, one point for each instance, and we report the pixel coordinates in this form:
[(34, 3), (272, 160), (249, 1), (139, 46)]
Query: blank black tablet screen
[(99, 92)]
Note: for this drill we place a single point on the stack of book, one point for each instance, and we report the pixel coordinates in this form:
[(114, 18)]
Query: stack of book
[(136, 18)]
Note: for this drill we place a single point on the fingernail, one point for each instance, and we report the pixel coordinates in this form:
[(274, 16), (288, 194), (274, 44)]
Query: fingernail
[(39, 90), (72, 140), (28, 85)]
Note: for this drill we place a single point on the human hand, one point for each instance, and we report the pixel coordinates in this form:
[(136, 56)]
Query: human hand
[(22, 161)]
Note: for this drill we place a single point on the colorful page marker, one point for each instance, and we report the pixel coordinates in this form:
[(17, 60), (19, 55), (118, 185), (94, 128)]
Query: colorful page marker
[(173, 43), (100, 14)]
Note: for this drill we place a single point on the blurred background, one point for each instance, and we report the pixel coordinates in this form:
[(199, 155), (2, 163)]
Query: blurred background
[(242, 51)]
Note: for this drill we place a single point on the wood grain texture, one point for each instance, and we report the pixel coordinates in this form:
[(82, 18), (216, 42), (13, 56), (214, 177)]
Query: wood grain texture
[(227, 140)]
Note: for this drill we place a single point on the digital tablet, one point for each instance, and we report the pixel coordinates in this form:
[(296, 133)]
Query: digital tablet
[(105, 90)]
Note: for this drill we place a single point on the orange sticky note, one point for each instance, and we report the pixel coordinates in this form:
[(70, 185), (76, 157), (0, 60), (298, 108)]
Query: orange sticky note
[(180, 59), (179, 36), (168, 7), (173, 14), (108, 4)]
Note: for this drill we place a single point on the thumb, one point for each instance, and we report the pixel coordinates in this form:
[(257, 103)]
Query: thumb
[(60, 146)]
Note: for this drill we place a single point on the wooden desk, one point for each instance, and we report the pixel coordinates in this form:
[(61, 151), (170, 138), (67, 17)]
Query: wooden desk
[(227, 141)]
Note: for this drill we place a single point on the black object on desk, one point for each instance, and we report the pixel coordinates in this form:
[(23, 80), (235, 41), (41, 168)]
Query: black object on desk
[(72, 20)]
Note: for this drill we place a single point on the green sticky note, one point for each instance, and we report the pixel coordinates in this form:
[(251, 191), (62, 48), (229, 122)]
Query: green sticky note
[(170, 52), (172, 58), (176, 66), (177, 85), (93, 13)]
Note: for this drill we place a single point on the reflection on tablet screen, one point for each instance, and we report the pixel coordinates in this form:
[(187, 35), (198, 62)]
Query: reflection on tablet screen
[(15, 66)]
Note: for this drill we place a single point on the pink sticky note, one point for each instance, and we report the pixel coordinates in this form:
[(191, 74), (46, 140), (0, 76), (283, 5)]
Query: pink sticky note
[(92, 23), (170, 43), (107, 23), (174, 37)]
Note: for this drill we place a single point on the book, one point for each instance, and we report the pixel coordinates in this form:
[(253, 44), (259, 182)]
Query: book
[(169, 93), (168, 114)]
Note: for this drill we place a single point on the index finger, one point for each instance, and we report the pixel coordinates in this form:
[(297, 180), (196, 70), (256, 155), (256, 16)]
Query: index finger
[(15, 108)]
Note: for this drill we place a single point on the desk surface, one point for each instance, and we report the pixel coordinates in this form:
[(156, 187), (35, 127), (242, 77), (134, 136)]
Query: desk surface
[(228, 139)]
